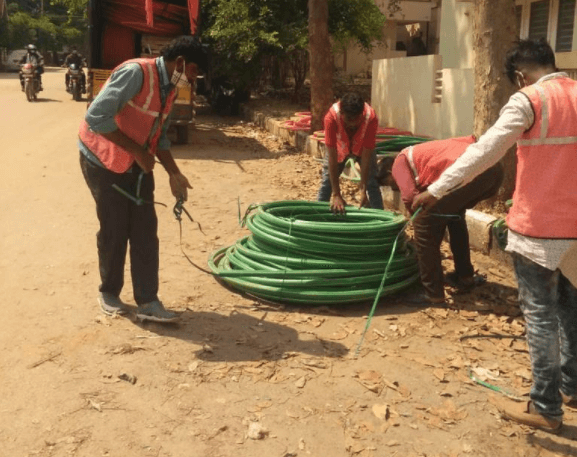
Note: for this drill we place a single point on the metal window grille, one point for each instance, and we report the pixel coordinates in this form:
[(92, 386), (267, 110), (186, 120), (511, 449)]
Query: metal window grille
[(565, 22), (539, 20)]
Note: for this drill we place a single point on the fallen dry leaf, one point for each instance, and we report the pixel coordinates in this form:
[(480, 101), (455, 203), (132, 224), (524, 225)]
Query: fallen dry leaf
[(439, 374), (382, 411), (340, 335), (371, 380)]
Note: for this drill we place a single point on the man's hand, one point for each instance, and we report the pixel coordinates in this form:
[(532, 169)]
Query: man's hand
[(338, 204), (424, 200), (145, 160), (179, 185)]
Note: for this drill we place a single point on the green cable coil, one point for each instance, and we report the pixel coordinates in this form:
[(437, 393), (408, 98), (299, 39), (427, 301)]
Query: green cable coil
[(299, 252), (396, 143)]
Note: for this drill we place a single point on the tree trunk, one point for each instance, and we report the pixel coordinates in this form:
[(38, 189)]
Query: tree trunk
[(321, 64), (495, 31)]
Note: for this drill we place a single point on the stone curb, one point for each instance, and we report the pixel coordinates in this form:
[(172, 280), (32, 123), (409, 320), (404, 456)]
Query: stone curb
[(478, 223)]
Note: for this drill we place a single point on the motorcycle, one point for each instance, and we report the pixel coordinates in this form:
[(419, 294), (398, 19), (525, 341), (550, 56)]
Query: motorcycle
[(31, 84), (75, 83)]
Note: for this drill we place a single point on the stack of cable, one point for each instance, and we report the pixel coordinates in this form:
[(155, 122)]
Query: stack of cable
[(300, 252), (391, 145)]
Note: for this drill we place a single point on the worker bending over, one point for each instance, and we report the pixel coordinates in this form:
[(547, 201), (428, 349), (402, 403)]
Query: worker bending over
[(350, 131), (412, 172)]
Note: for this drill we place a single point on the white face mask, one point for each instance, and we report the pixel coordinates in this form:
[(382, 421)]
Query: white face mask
[(179, 79)]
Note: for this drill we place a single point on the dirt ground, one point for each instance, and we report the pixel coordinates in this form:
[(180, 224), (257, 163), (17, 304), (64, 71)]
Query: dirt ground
[(236, 377)]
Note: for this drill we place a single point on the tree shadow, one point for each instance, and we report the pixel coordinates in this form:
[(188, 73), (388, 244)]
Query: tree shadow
[(208, 140), (240, 337)]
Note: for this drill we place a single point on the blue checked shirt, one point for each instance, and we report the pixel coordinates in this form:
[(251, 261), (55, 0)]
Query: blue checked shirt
[(125, 83)]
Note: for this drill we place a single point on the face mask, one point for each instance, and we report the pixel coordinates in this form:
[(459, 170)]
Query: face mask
[(179, 79)]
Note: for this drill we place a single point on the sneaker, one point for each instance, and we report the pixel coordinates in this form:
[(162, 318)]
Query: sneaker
[(111, 305), (154, 311), (526, 414)]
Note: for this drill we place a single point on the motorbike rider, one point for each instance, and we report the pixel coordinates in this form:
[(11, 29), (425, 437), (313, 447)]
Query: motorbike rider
[(75, 58), (33, 57)]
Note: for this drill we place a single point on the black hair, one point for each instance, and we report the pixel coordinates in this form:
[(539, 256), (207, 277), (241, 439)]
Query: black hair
[(529, 53), (384, 170), (352, 104), (188, 47)]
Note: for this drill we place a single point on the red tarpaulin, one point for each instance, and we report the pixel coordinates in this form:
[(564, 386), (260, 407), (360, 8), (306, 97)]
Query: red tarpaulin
[(149, 13), (152, 16), (193, 15)]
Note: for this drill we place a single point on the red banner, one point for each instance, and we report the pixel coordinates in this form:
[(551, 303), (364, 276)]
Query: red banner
[(149, 13), (193, 14)]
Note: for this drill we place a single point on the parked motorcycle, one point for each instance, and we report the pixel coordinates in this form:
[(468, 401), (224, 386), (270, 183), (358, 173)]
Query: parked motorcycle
[(76, 81), (31, 83)]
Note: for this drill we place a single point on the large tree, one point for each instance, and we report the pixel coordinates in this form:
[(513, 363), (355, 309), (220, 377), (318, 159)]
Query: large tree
[(266, 34), (495, 31), (321, 72)]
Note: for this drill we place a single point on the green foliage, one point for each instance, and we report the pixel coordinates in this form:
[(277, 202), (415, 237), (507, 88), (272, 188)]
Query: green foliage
[(245, 33), (60, 25), (358, 21)]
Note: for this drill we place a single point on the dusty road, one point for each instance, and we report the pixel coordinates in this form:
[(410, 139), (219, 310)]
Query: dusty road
[(232, 364)]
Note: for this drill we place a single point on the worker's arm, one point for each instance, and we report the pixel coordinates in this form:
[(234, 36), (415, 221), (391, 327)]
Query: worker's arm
[(179, 184), (337, 202), (123, 85), (515, 118), (369, 144), (366, 164)]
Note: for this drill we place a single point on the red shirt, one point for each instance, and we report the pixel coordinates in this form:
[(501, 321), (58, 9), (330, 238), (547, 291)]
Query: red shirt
[(332, 120), (417, 167)]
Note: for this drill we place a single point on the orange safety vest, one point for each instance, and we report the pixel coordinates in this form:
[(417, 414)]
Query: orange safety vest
[(429, 160), (545, 197), (343, 146), (136, 120)]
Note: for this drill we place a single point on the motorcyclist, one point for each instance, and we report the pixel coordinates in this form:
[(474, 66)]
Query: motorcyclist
[(33, 57), (75, 58)]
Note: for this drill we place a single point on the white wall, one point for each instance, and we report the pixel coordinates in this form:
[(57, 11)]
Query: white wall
[(403, 93), (456, 34)]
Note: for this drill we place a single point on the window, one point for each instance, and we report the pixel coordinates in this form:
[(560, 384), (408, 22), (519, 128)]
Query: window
[(565, 20), (539, 20), (519, 15)]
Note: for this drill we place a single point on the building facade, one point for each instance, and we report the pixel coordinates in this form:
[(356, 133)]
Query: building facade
[(433, 94)]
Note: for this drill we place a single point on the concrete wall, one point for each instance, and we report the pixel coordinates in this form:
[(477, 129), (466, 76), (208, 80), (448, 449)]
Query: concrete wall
[(456, 34), (359, 62), (403, 96)]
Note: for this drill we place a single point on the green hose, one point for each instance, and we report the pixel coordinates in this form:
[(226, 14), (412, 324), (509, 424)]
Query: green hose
[(299, 252), (398, 143)]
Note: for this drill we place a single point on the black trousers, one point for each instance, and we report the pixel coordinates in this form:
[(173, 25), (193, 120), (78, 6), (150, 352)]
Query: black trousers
[(430, 230), (123, 222)]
